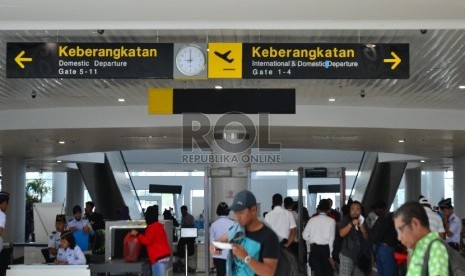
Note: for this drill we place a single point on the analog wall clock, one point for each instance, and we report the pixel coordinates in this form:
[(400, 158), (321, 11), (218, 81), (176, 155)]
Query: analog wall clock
[(190, 60)]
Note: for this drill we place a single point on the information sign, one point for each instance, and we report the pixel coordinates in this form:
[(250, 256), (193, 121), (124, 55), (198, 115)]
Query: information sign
[(325, 61), (90, 60)]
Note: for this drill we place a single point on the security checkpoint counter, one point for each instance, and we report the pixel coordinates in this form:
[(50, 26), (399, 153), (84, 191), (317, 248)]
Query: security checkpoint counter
[(48, 270), (119, 266)]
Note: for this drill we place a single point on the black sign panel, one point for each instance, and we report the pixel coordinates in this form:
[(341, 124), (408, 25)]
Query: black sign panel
[(325, 61), (248, 101), (90, 60)]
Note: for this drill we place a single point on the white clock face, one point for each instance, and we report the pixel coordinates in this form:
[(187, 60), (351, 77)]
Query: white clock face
[(190, 60)]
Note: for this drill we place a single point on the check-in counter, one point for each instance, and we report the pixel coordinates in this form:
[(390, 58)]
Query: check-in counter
[(48, 269)]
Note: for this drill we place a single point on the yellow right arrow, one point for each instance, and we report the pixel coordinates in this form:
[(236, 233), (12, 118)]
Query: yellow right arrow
[(395, 60), (20, 59)]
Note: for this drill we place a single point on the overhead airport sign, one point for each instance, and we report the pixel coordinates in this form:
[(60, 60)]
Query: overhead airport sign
[(90, 60), (308, 61), (224, 60), (166, 101)]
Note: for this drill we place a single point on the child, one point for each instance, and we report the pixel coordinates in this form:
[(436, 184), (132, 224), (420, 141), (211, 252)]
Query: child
[(156, 242), (69, 252)]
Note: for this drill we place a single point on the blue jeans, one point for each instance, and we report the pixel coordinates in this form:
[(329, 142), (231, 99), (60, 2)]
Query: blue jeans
[(159, 268), (385, 262)]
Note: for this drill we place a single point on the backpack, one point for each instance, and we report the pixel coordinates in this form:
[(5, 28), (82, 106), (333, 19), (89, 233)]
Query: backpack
[(456, 261), (289, 264)]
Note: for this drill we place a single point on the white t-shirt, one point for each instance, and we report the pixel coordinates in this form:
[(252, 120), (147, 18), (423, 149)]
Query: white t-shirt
[(281, 221), (435, 221)]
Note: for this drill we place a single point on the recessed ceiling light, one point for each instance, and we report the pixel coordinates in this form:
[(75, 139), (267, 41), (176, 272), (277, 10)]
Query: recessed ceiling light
[(218, 87), (461, 86), (401, 140), (61, 142), (121, 100), (58, 161), (332, 99), (422, 161)]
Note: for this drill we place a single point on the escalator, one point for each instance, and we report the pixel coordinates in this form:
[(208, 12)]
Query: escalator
[(377, 181), (110, 187)]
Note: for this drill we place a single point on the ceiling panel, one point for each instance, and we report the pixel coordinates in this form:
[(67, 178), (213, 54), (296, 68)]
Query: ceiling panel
[(437, 66)]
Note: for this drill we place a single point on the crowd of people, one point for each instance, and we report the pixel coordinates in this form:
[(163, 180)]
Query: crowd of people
[(348, 244)]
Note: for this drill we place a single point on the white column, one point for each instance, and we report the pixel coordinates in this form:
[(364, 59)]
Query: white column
[(14, 182), (75, 191), (433, 186), (59, 187), (231, 149), (459, 186)]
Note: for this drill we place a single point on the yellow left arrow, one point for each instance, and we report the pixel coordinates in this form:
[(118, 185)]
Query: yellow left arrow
[(20, 59), (395, 60)]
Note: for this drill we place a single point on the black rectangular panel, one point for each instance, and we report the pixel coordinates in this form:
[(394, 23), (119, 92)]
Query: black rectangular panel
[(249, 101), (325, 61), (313, 189), (90, 60), (165, 189), (316, 172)]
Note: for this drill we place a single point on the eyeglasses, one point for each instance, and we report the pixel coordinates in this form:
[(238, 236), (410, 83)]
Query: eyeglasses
[(401, 228)]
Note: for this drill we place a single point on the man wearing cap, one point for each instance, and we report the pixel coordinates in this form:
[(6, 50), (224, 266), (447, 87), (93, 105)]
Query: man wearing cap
[(319, 233), (435, 222), (218, 229), (4, 199), (54, 239), (255, 247), (452, 223)]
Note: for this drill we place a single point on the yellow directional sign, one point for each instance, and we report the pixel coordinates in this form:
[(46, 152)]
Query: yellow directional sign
[(20, 59), (395, 60), (225, 60), (160, 101)]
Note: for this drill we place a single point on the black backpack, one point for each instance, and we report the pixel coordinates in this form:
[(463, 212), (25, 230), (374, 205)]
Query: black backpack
[(289, 264), (456, 261)]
